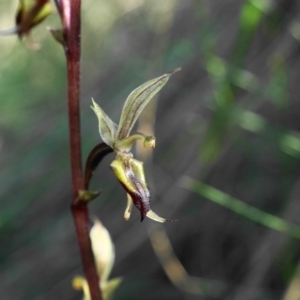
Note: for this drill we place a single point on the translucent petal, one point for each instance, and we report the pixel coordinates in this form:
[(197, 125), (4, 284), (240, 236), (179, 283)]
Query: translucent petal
[(152, 215), (136, 102), (107, 127), (103, 249)]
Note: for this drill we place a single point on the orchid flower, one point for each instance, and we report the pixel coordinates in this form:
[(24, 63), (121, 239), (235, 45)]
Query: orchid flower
[(129, 171), (104, 254), (29, 14)]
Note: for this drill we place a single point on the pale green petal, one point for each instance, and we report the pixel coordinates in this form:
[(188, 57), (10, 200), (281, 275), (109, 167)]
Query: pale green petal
[(107, 127), (108, 288), (79, 283), (152, 215), (118, 168), (128, 209), (136, 102)]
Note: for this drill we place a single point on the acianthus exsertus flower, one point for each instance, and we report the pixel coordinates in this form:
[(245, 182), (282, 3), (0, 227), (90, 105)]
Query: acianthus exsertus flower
[(29, 14), (104, 255), (129, 171)]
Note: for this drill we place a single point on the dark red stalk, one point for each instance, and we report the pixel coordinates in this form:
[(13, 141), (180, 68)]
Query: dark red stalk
[(70, 13)]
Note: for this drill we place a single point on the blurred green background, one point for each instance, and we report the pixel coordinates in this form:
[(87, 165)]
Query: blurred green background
[(229, 120)]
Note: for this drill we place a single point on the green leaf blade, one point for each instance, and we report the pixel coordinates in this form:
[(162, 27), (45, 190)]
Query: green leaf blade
[(241, 208)]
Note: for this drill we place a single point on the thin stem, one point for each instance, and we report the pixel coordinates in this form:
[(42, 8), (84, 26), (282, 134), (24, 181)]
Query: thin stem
[(71, 23)]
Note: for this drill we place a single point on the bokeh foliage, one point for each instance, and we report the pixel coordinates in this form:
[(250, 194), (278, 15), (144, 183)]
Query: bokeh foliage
[(229, 119)]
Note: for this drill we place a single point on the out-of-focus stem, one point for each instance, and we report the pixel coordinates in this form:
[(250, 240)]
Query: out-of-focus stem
[(70, 13)]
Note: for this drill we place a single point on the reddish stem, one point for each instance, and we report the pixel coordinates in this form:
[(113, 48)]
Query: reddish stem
[(70, 11)]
